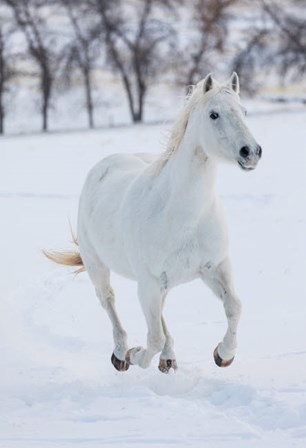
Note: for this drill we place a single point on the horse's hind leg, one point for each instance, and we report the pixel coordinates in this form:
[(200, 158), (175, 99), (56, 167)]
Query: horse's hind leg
[(100, 276), (220, 281), (106, 296)]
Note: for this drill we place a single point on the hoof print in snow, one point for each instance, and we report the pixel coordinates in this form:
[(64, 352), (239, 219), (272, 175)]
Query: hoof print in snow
[(121, 366), (166, 364), (221, 362)]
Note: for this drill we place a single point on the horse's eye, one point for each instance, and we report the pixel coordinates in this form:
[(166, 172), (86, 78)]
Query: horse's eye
[(214, 115)]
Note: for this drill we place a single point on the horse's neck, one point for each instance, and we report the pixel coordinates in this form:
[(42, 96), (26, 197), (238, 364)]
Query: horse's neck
[(192, 177)]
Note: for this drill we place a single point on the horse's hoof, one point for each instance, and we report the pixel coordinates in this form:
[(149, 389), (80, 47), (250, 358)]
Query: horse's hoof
[(166, 364), (129, 352), (119, 365), (222, 362), (128, 357)]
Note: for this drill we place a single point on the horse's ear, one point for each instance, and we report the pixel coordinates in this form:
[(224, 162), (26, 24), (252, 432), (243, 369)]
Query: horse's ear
[(208, 83), (234, 83)]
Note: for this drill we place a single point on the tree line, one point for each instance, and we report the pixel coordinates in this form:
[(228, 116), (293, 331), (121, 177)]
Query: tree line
[(142, 41)]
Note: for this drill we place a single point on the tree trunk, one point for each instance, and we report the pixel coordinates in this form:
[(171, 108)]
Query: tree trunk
[(45, 118), (142, 90), (89, 102), (45, 111), (128, 90), (46, 86), (2, 83), (1, 112)]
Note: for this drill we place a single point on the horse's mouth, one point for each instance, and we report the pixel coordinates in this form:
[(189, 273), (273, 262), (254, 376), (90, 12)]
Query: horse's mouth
[(246, 168)]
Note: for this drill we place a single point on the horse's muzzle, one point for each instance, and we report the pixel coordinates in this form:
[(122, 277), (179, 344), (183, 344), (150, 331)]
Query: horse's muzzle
[(249, 158)]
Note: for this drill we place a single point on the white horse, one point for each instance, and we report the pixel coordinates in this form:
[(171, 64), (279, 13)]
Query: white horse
[(157, 220)]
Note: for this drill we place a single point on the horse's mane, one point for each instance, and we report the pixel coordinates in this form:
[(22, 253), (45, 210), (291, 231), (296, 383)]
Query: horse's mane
[(194, 97)]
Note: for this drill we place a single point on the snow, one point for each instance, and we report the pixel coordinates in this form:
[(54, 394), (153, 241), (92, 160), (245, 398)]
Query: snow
[(57, 385)]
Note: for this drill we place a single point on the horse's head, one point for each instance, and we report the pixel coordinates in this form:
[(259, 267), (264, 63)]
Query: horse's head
[(224, 133)]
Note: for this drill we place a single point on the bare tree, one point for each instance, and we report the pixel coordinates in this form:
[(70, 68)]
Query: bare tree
[(254, 53), (290, 29), (3, 78), (209, 20), (276, 44), (83, 49), (137, 47), (7, 70), (30, 20)]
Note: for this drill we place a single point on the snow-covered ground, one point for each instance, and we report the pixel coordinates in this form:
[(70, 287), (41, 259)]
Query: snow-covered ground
[(57, 385)]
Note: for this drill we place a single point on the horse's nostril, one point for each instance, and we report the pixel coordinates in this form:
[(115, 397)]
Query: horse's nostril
[(259, 151), (245, 152)]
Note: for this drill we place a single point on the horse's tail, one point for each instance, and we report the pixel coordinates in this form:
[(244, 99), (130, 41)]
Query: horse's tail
[(67, 258)]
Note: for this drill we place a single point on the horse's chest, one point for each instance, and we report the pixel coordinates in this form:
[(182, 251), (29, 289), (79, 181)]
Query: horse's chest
[(184, 254), (181, 259)]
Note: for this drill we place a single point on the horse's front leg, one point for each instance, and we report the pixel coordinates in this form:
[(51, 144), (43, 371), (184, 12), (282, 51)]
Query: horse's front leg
[(219, 279), (167, 358), (151, 300)]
